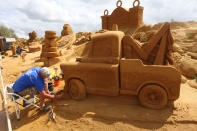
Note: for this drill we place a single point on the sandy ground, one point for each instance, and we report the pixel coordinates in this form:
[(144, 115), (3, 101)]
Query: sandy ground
[(100, 112)]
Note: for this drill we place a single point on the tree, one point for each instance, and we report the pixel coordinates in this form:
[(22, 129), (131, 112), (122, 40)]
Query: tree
[(7, 32)]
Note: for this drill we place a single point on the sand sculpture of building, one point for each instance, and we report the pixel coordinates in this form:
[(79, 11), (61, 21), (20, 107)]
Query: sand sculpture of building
[(124, 18), (32, 36), (67, 30), (50, 51)]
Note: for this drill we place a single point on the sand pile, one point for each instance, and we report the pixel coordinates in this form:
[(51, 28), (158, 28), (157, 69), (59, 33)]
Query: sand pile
[(34, 47), (185, 47), (83, 37)]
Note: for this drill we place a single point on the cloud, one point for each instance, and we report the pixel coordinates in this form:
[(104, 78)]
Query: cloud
[(44, 10), (25, 16)]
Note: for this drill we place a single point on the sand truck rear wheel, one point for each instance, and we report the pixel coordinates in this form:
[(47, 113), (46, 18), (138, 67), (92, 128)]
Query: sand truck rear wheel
[(153, 96), (77, 89)]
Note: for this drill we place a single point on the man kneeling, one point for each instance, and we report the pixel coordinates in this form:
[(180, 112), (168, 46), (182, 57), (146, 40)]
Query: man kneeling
[(35, 80)]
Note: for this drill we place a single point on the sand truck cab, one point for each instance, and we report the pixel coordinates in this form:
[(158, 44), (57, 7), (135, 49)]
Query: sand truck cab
[(117, 64)]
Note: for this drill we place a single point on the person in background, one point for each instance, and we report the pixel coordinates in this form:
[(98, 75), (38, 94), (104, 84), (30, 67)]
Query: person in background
[(19, 50)]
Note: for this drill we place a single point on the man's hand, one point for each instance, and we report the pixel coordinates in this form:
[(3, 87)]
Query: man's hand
[(48, 92), (59, 96), (46, 95)]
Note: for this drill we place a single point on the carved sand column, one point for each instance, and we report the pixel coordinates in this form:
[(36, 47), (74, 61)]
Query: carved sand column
[(50, 51), (13, 47)]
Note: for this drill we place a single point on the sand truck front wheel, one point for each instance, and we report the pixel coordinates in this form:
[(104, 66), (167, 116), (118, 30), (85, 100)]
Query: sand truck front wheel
[(153, 96), (77, 89)]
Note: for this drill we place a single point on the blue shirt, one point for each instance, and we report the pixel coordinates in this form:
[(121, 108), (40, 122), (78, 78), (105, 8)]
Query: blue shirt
[(29, 78)]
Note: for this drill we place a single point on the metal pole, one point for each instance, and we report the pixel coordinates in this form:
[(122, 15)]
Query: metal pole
[(5, 102)]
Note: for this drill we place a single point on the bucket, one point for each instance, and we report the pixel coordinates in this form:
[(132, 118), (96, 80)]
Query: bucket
[(56, 83)]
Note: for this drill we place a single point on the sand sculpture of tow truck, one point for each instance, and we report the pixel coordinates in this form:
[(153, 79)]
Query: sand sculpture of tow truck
[(118, 64)]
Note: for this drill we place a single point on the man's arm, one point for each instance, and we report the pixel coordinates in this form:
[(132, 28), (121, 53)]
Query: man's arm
[(46, 95), (46, 86), (43, 93)]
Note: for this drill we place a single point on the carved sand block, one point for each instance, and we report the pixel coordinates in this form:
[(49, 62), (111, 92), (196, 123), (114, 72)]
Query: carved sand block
[(51, 42), (50, 34), (124, 18), (67, 30), (34, 49), (105, 71), (50, 51), (50, 54)]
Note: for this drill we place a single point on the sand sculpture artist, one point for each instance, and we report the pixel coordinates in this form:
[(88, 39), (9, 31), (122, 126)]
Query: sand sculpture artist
[(33, 80), (119, 64), (67, 30), (50, 51), (124, 18)]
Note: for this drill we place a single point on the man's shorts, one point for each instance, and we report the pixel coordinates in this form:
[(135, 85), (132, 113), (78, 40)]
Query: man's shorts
[(28, 91)]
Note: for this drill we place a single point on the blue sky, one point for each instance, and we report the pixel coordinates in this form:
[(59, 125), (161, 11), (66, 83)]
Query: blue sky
[(24, 16)]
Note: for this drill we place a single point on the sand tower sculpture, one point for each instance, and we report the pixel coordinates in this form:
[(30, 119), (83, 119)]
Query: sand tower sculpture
[(32, 36), (67, 30), (50, 51), (124, 19)]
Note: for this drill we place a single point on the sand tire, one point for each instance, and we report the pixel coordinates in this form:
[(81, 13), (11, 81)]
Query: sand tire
[(77, 90), (153, 96)]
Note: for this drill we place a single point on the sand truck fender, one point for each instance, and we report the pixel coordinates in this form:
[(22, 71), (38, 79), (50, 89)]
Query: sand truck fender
[(135, 75)]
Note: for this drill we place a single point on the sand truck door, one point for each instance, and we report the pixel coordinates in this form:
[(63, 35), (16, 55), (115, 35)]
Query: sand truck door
[(131, 75)]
